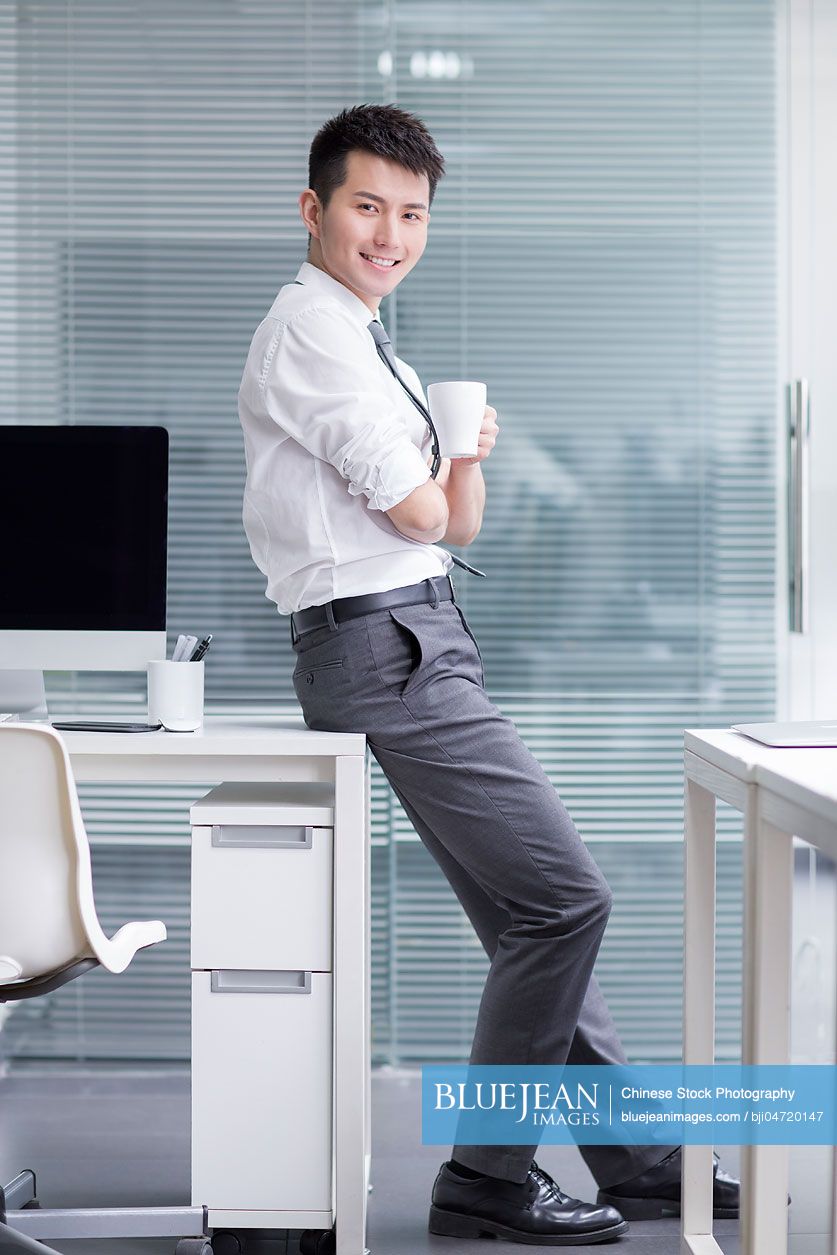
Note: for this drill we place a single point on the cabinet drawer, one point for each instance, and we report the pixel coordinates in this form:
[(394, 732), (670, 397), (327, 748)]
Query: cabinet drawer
[(261, 1090), (262, 897)]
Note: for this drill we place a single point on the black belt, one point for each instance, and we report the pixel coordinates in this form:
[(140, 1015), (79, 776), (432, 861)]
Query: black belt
[(435, 589)]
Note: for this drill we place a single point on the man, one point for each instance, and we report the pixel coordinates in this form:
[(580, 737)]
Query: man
[(347, 522)]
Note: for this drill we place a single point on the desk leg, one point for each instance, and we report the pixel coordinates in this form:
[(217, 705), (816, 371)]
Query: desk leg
[(351, 1015), (768, 886), (698, 1003)]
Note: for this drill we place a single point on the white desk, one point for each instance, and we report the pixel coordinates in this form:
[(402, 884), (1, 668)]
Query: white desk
[(273, 748), (782, 793)]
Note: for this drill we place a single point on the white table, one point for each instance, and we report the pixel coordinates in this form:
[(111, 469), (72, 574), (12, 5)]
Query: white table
[(273, 748), (782, 793)]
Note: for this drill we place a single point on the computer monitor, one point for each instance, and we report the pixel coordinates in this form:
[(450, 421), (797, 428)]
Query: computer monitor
[(83, 542)]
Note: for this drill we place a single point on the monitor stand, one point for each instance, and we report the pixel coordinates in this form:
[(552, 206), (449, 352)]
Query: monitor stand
[(23, 693)]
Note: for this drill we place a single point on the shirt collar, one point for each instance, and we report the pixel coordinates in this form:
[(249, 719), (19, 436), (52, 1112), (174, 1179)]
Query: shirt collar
[(312, 277)]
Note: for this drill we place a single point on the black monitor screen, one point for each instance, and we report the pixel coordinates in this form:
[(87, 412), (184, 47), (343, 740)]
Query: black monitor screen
[(83, 523)]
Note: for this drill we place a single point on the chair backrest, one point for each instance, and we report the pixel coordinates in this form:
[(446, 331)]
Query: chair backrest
[(46, 883)]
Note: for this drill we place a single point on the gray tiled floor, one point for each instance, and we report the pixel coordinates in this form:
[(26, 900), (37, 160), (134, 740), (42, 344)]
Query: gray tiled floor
[(122, 1139)]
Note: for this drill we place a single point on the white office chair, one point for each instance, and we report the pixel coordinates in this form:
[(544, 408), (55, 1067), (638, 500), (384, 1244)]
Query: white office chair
[(50, 934)]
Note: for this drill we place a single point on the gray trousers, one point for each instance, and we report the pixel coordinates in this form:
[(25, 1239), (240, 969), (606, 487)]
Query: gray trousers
[(412, 680)]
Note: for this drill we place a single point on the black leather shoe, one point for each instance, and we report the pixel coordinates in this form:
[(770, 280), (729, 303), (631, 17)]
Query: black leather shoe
[(535, 1211), (656, 1192)]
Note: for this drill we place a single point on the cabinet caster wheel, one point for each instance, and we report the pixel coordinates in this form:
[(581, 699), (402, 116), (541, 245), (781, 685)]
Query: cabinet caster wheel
[(317, 1242), (193, 1246), (225, 1242)]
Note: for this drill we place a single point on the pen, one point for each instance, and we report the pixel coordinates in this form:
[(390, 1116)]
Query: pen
[(183, 648), (201, 649)]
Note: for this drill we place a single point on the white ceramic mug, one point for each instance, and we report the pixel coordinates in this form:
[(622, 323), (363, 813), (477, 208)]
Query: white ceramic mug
[(457, 410), (175, 694)]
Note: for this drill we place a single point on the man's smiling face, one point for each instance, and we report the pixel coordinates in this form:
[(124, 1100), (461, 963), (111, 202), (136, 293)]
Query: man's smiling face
[(374, 228)]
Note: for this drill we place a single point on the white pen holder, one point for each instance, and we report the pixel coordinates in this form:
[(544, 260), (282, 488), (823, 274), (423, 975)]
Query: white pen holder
[(175, 694)]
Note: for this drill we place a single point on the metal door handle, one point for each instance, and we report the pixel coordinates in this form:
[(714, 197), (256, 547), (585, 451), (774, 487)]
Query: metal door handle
[(799, 430)]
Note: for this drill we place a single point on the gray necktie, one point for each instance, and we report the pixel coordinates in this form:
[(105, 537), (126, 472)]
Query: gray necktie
[(384, 346)]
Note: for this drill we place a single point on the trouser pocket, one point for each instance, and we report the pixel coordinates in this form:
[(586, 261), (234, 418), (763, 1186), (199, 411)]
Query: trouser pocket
[(322, 666), (403, 642), (395, 642), (476, 646)]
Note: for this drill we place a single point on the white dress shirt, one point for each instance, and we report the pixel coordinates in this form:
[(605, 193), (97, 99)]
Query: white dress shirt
[(331, 441)]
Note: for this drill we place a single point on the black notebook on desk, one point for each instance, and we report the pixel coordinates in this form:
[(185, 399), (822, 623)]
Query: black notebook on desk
[(74, 725)]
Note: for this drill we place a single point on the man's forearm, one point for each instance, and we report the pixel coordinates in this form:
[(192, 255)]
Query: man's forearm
[(423, 514), (465, 493)]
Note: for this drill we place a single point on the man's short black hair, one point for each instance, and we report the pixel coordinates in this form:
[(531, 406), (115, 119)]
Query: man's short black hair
[(383, 130)]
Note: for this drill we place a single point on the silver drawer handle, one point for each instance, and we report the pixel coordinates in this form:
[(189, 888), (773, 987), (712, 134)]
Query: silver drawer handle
[(263, 836), (243, 982)]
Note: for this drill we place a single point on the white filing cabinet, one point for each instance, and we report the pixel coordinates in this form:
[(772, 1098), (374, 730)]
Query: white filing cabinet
[(262, 970)]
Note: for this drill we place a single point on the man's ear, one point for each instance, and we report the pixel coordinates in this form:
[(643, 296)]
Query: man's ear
[(310, 211)]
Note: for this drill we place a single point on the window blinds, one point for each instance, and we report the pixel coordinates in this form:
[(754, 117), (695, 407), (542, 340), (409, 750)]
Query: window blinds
[(602, 253)]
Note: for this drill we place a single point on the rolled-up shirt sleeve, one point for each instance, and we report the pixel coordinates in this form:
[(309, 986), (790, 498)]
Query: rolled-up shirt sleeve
[(317, 386)]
